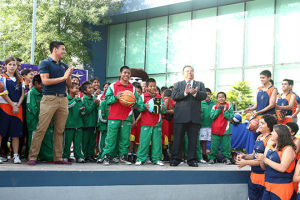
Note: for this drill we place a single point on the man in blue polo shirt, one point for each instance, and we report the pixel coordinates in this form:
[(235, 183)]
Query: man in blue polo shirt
[(56, 77)]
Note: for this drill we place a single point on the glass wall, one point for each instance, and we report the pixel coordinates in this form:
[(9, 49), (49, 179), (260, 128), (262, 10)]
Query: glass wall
[(224, 44)]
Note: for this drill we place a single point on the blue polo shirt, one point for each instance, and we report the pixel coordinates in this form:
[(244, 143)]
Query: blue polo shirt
[(49, 66)]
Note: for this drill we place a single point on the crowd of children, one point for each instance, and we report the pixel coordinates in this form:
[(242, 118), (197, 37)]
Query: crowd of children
[(100, 129), (136, 135)]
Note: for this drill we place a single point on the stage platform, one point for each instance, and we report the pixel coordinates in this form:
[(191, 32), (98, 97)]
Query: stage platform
[(95, 181)]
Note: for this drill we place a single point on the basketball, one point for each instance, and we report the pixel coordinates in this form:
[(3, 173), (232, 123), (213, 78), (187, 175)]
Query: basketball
[(1, 87), (253, 124), (127, 99)]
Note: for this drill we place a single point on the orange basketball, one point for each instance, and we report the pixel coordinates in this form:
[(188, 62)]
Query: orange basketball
[(1, 87), (127, 99), (253, 124)]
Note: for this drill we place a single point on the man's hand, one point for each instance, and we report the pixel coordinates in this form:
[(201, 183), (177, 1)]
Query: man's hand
[(194, 91), (68, 72), (187, 88)]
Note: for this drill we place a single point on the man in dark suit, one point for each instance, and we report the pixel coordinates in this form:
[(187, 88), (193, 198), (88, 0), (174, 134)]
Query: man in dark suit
[(188, 95)]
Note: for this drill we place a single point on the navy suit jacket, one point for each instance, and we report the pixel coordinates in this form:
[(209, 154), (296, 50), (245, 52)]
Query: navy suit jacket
[(188, 108)]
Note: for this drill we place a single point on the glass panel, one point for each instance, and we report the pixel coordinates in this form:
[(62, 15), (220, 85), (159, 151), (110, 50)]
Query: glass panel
[(223, 88), (115, 49), (207, 77), (230, 36), (173, 78), (111, 80), (287, 72), (204, 38), (160, 79), (226, 78), (179, 44), (259, 42), (287, 31), (135, 44), (252, 76), (156, 51)]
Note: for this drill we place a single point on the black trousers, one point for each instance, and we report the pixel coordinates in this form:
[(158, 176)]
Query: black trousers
[(192, 131)]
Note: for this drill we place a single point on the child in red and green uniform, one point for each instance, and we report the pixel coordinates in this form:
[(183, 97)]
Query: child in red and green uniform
[(74, 124), (103, 112), (205, 130), (90, 115), (119, 118), (167, 123), (33, 100), (221, 114), (151, 122), (135, 127)]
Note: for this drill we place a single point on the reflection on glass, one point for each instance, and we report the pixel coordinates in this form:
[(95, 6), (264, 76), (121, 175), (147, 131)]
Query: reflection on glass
[(286, 72), (207, 77), (204, 38), (228, 77), (287, 31), (230, 36), (135, 44), (115, 49), (111, 80), (160, 79), (173, 78), (179, 43), (156, 45), (259, 40)]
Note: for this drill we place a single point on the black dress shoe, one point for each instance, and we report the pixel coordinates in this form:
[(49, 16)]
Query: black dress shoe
[(193, 163), (174, 163)]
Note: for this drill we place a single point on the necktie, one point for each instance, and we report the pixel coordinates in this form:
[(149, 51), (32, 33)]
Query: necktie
[(189, 83)]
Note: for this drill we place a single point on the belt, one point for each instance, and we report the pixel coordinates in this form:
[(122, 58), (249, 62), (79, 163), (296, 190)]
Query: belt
[(58, 95)]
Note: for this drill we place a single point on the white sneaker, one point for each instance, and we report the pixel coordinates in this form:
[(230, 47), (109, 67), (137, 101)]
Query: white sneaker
[(202, 161), (17, 159), (65, 159), (99, 160), (1, 162), (106, 162), (80, 160), (160, 163), (124, 161), (3, 159), (148, 161), (138, 163), (115, 160)]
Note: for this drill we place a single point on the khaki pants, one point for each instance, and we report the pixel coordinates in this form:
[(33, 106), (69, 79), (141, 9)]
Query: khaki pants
[(51, 106)]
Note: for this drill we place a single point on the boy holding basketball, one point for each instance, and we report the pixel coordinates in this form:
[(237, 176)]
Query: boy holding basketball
[(90, 117), (151, 122), (221, 114), (119, 117)]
